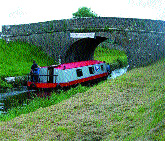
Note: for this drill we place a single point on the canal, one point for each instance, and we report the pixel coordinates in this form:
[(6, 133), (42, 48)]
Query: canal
[(22, 96)]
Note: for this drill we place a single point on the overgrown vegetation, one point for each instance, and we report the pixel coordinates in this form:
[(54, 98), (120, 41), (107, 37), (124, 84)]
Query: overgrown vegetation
[(130, 107), (116, 58), (16, 59), (101, 53), (37, 102)]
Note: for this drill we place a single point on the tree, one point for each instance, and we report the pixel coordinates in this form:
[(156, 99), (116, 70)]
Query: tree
[(84, 12)]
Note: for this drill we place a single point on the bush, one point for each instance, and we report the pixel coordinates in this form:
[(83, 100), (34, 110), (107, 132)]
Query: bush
[(122, 62), (119, 63), (4, 84), (114, 66)]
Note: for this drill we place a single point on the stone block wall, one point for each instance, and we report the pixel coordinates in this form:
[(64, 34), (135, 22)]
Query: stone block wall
[(143, 40), (71, 24)]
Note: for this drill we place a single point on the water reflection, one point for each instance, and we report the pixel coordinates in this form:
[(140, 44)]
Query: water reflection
[(20, 98), (10, 92)]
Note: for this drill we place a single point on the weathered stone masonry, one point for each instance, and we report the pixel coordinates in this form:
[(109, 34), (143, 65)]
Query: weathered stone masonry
[(143, 40)]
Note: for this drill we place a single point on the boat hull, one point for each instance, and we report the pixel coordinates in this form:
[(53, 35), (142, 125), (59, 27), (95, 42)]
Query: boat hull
[(38, 85)]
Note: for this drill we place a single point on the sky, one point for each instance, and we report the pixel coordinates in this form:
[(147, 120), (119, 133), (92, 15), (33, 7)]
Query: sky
[(14, 12)]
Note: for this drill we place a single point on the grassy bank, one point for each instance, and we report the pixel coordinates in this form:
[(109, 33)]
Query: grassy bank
[(16, 59), (37, 102), (130, 107), (116, 58), (103, 54)]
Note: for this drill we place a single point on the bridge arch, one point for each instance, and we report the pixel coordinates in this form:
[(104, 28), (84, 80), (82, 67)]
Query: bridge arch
[(142, 39), (83, 49)]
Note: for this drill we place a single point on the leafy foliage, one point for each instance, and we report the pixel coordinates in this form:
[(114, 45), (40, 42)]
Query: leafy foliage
[(84, 12)]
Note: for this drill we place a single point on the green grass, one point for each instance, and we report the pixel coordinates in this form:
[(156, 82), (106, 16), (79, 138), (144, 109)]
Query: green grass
[(108, 55), (130, 107), (115, 58), (38, 102), (144, 88), (24, 54), (153, 118), (16, 59)]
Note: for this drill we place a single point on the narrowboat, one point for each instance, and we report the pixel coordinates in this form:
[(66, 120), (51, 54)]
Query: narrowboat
[(68, 74)]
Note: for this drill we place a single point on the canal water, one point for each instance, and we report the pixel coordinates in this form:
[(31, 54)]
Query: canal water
[(118, 72), (13, 97), (21, 96)]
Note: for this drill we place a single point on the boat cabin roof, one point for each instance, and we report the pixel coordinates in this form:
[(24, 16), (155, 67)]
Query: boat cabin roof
[(75, 64)]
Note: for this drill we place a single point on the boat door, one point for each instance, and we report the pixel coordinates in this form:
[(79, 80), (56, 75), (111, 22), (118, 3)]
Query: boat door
[(50, 74)]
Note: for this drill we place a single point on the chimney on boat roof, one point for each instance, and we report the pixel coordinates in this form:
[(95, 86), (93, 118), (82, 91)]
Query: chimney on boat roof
[(59, 60)]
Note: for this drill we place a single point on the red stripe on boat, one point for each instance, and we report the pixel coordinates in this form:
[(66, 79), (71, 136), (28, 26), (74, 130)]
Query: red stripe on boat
[(53, 85), (43, 85)]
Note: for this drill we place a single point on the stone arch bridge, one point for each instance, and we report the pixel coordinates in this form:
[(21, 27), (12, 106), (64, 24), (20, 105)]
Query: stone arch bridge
[(76, 39)]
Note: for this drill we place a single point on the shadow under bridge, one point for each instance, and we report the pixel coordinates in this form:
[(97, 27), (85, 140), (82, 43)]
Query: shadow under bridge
[(83, 49)]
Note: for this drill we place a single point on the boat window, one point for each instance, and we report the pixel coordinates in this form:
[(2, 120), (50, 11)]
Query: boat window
[(79, 72), (102, 67), (91, 70)]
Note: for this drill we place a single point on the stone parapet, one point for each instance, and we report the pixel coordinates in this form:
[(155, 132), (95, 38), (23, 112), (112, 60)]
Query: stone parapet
[(84, 23)]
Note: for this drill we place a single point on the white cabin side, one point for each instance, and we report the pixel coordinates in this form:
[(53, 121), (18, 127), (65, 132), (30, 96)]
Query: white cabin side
[(58, 73), (42, 75), (68, 75)]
